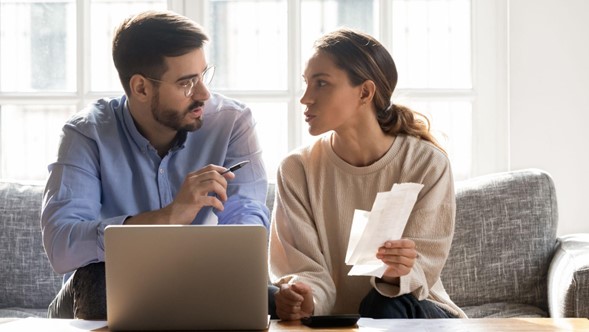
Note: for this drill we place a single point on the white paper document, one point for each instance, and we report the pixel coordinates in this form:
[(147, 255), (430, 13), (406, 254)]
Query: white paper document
[(386, 221)]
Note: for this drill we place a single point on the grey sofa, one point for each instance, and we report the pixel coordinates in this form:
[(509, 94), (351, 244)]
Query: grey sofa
[(506, 260), (27, 281)]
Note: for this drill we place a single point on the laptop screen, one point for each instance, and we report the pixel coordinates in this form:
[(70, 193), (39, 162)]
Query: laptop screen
[(178, 277)]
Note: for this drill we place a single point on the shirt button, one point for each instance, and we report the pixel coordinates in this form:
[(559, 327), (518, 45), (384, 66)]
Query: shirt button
[(161, 170)]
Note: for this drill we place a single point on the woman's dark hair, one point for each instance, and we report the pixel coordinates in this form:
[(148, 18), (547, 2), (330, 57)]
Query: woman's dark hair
[(142, 41), (364, 58)]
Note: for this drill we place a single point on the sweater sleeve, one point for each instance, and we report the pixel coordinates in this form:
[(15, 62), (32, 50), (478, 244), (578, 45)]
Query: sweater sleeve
[(431, 227), (295, 254)]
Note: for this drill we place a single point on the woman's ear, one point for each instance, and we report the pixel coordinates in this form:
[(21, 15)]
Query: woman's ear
[(367, 91), (140, 88)]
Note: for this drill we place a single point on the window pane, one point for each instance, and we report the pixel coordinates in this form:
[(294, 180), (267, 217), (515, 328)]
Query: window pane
[(248, 44), (37, 130), (321, 16), (272, 130), (431, 43), (106, 15), (451, 123), (37, 46)]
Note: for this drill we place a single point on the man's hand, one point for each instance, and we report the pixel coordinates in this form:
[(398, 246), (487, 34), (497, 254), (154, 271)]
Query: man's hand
[(192, 196), (194, 193), (294, 301), (400, 257)]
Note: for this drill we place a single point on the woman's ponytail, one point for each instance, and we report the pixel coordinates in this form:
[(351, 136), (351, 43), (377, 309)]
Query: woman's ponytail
[(365, 58), (397, 119)]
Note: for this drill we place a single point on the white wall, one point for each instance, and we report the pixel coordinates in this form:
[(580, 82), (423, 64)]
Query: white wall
[(549, 99)]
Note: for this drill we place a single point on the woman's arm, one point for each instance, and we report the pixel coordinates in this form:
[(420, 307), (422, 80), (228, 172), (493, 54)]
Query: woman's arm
[(430, 228), (295, 254)]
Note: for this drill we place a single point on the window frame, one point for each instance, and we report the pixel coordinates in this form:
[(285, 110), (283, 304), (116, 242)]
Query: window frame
[(489, 93)]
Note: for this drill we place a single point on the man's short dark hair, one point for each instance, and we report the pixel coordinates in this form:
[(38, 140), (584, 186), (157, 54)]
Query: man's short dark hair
[(142, 41)]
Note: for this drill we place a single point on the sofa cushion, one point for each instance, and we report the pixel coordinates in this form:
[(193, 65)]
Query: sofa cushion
[(505, 236), (503, 310), (28, 281), (22, 313)]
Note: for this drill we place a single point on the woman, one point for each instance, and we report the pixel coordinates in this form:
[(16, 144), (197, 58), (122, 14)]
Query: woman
[(372, 145)]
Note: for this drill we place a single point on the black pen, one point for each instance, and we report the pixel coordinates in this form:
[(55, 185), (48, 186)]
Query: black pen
[(235, 167)]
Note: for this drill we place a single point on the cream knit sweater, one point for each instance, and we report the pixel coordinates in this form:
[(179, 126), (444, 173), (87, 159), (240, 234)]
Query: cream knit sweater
[(316, 195)]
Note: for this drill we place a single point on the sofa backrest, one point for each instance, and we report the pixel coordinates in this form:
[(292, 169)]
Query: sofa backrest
[(505, 236), (26, 277)]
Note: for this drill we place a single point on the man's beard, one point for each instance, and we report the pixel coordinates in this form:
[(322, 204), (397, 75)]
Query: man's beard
[(172, 118)]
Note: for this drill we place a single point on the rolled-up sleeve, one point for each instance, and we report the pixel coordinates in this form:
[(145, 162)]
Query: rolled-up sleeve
[(71, 229), (247, 192)]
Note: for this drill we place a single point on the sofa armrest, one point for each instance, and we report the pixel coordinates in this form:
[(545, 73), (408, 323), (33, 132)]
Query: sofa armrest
[(568, 277)]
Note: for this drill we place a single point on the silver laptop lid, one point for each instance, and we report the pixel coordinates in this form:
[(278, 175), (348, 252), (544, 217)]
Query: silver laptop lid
[(171, 277)]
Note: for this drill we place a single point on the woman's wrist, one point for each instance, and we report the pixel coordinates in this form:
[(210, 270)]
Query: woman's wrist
[(389, 280)]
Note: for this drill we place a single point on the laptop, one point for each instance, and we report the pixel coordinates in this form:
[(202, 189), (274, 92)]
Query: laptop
[(186, 277)]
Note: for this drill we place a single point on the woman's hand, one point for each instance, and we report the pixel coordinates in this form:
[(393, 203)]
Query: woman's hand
[(399, 256), (294, 301)]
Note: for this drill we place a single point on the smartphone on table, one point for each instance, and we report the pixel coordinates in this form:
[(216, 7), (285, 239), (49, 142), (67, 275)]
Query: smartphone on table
[(342, 320)]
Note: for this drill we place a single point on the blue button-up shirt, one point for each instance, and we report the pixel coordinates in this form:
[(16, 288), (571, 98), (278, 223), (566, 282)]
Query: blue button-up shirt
[(106, 171)]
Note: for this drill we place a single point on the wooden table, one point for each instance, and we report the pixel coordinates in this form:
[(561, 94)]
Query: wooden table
[(368, 325), (455, 325)]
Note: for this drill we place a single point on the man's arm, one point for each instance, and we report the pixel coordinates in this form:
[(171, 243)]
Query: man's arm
[(191, 198), (71, 204), (247, 191)]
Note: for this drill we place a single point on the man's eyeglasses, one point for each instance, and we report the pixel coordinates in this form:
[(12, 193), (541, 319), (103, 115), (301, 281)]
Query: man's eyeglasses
[(188, 85)]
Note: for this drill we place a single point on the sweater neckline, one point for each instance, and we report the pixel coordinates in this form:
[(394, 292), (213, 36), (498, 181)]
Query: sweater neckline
[(385, 160)]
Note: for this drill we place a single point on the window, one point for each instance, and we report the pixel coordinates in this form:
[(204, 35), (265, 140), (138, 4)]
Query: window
[(260, 60), (55, 57)]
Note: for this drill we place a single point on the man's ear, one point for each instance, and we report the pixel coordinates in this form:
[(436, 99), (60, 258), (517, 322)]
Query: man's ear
[(140, 88), (367, 92)]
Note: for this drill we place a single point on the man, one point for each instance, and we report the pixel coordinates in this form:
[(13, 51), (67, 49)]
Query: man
[(152, 156)]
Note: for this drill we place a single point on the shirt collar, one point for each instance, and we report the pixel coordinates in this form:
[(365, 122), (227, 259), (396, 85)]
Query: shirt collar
[(141, 142)]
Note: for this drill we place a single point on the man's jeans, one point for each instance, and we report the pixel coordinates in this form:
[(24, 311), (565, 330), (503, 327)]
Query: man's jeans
[(83, 296)]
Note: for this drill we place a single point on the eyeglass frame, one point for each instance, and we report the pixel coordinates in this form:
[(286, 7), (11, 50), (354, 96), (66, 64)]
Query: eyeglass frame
[(192, 82)]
